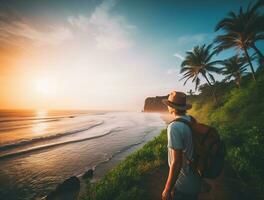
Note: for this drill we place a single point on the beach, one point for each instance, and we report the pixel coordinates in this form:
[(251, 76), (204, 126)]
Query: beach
[(41, 150)]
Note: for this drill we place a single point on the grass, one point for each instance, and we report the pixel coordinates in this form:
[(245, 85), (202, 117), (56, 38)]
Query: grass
[(123, 181), (239, 117)]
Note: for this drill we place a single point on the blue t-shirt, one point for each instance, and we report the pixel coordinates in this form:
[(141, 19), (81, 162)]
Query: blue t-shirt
[(180, 138)]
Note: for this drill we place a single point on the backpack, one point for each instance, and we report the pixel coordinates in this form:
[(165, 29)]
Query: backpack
[(209, 149)]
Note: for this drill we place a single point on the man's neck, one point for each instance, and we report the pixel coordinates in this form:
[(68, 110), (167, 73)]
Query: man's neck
[(175, 116)]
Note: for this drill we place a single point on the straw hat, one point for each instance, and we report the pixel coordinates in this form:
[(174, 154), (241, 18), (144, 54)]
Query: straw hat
[(177, 100)]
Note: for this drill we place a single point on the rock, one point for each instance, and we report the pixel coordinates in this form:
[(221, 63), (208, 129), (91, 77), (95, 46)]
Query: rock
[(88, 174), (70, 184), (69, 190), (154, 104)]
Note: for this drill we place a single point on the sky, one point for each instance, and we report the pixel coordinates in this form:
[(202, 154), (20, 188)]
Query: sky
[(100, 54)]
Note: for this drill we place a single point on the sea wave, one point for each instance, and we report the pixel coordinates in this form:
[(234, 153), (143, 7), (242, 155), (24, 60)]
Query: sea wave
[(124, 149), (25, 125), (38, 139), (52, 145), (117, 152), (34, 118), (110, 157)]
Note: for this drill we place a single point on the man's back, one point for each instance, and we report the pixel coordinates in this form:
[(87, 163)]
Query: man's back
[(180, 138)]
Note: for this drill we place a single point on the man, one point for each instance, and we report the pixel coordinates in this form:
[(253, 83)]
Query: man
[(182, 182)]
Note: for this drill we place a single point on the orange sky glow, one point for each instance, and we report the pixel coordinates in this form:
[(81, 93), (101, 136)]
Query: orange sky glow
[(93, 61)]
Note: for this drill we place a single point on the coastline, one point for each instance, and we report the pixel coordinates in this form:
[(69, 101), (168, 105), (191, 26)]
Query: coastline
[(106, 166), (135, 166), (129, 132), (102, 168), (142, 173)]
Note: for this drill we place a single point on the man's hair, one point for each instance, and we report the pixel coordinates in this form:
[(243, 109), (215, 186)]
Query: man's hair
[(176, 111), (180, 112)]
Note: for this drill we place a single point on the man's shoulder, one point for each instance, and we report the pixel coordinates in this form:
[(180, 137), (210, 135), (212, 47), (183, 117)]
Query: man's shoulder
[(175, 123), (175, 126), (178, 123)]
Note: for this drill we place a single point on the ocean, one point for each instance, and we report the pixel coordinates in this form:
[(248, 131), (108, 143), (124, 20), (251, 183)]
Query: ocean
[(40, 149)]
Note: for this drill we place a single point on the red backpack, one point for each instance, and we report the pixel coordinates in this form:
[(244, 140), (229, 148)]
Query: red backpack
[(209, 149)]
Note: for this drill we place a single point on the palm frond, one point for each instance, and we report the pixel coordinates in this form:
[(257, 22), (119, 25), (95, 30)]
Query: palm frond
[(188, 74), (211, 77), (240, 29), (187, 80)]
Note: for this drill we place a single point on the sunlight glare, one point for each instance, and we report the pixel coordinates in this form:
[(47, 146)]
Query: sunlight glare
[(45, 87)]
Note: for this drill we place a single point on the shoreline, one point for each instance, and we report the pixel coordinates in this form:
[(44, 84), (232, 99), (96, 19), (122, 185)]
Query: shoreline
[(106, 166), (117, 157), (133, 130), (132, 170)]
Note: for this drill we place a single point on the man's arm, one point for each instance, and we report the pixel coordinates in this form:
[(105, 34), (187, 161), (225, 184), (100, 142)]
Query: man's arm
[(175, 167)]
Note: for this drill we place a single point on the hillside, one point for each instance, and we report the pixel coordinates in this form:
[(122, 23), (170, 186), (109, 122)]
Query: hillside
[(238, 114)]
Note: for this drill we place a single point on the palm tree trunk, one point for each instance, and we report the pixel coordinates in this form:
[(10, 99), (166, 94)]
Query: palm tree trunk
[(261, 57), (213, 89), (258, 51), (250, 63), (239, 81)]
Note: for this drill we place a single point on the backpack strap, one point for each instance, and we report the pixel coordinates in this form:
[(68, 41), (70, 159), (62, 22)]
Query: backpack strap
[(189, 124)]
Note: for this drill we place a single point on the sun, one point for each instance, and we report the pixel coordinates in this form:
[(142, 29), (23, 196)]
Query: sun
[(45, 87)]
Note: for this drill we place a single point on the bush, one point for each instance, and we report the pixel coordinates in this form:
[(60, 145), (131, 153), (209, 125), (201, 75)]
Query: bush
[(239, 119)]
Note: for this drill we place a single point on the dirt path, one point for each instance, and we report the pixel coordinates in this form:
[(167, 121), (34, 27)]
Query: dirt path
[(226, 187)]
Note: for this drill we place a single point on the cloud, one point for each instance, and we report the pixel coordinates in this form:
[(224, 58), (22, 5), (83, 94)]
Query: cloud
[(106, 30), (172, 71), (19, 31), (179, 56), (189, 39), (110, 32)]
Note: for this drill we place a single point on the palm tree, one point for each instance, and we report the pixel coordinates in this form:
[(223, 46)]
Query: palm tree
[(256, 26), (198, 63), (241, 31), (190, 92), (234, 67)]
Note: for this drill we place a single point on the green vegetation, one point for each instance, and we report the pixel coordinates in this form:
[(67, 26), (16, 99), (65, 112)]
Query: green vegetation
[(123, 182), (198, 62), (239, 118), (241, 31), (237, 112), (234, 67)]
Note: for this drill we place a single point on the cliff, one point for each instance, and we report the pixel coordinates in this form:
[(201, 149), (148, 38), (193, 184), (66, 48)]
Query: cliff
[(154, 104)]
